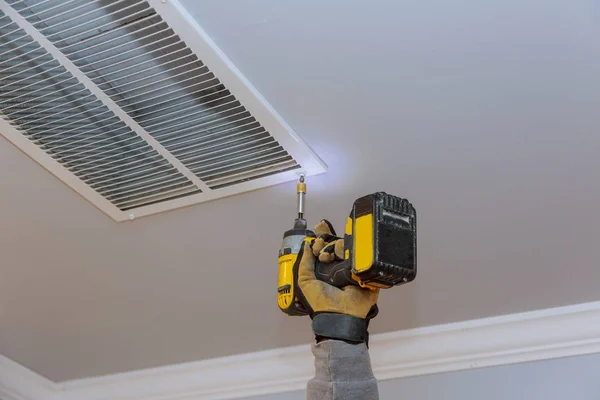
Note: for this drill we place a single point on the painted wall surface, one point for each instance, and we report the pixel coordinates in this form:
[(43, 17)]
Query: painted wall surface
[(559, 379)]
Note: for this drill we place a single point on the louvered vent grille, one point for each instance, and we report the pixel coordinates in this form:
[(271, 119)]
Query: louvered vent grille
[(120, 94), (136, 59), (49, 106)]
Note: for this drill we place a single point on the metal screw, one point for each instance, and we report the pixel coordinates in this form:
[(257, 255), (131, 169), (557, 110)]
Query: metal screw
[(131, 217)]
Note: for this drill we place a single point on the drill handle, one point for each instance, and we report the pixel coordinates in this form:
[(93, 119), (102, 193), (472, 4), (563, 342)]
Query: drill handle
[(338, 274)]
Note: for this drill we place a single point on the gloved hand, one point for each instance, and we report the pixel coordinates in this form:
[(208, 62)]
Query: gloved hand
[(344, 313)]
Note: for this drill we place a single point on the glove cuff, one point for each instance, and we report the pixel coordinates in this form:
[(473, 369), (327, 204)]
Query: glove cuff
[(341, 327)]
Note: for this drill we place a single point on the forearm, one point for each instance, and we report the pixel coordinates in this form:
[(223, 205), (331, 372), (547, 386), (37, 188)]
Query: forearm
[(342, 372)]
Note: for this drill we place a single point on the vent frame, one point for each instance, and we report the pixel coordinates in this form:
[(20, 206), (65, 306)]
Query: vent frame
[(184, 26)]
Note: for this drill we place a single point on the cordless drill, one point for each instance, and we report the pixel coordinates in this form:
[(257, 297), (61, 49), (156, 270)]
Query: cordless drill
[(380, 248)]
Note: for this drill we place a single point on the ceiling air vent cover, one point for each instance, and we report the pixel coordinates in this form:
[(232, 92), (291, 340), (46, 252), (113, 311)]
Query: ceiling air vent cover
[(133, 106)]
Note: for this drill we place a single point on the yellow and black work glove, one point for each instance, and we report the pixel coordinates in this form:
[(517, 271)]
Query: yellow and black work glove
[(336, 313)]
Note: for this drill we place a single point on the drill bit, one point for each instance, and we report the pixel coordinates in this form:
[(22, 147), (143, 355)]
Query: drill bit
[(301, 191)]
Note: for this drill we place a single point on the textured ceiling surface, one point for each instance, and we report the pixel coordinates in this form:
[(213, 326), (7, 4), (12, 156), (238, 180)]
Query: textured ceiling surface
[(483, 114)]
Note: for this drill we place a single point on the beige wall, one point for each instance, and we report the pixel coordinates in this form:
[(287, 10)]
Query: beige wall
[(568, 378)]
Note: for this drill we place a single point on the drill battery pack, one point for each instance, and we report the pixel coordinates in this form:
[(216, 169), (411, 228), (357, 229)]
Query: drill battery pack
[(381, 240)]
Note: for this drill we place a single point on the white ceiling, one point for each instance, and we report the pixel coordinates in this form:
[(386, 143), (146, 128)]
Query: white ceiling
[(483, 114)]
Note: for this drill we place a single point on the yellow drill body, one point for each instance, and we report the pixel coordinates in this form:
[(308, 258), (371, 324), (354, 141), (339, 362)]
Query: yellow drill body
[(380, 245)]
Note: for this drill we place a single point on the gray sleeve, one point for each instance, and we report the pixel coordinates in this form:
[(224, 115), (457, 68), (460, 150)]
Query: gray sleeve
[(342, 372)]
